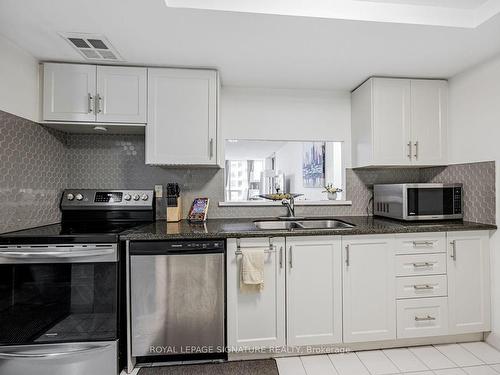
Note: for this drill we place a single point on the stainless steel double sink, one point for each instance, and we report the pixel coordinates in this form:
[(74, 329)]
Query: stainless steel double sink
[(311, 224)]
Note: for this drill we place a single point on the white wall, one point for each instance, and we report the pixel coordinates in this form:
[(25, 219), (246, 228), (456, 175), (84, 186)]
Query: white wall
[(277, 114), (474, 136), (19, 84)]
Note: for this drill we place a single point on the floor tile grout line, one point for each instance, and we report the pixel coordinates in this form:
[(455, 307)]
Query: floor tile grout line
[(438, 369), (408, 372), (479, 359), (366, 367), (304, 367), (390, 360), (460, 344)]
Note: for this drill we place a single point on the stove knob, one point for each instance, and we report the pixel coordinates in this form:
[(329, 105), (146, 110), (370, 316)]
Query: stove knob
[(127, 197), (144, 197), (136, 197), (70, 197), (79, 197)]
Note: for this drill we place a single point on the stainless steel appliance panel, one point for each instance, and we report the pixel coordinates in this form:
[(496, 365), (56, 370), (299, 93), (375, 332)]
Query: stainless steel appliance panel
[(95, 358), (177, 303)]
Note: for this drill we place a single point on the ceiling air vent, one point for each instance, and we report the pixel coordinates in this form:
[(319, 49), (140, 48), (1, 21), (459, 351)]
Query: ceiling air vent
[(92, 47)]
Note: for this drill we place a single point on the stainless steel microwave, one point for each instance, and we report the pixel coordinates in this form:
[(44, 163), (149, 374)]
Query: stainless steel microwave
[(418, 201)]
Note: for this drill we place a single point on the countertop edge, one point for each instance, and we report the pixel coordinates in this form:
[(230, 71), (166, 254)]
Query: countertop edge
[(415, 228)]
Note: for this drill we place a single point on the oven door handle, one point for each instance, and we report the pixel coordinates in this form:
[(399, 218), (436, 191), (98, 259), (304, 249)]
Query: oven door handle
[(55, 254), (87, 349)]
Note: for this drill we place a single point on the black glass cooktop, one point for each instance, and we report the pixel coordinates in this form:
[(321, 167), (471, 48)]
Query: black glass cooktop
[(87, 232)]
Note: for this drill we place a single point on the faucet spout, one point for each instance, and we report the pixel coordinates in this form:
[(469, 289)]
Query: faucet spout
[(290, 205)]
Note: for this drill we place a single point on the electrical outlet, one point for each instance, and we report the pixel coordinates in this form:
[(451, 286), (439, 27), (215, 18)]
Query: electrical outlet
[(159, 191)]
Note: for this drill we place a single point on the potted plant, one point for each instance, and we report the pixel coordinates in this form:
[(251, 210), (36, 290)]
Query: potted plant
[(332, 191)]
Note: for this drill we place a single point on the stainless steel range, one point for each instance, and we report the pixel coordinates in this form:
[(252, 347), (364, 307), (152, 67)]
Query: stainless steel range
[(59, 294)]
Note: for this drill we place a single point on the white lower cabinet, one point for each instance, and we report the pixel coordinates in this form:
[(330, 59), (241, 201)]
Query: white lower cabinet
[(323, 290), (256, 319), (314, 290), (469, 281), (369, 299)]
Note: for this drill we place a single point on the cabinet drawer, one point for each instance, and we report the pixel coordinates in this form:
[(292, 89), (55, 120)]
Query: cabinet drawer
[(422, 317), (421, 286), (420, 264), (419, 243)]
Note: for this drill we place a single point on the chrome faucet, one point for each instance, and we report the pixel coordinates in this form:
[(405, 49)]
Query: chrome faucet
[(290, 205)]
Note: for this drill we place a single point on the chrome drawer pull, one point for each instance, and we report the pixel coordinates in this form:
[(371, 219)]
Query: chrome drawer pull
[(423, 287), (424, 319), (422, 265), (422, 243)]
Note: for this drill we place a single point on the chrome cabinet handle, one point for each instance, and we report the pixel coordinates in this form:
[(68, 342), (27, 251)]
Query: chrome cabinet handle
[(425, 318), (453, 250), (347, 256), (423, 287), (422, 264), (90, 101), (409, 150), (211, 145), (290, 261), (281, 256), (422, 243), (99, 103), (416, 150), (54, 354)]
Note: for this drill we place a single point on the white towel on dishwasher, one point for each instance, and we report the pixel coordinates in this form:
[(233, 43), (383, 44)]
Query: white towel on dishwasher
[(252, 270)]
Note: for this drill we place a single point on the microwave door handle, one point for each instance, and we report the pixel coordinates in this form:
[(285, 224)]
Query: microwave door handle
[(86, 349)]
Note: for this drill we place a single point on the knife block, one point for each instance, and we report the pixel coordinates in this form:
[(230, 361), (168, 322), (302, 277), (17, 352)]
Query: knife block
[(174, 209)]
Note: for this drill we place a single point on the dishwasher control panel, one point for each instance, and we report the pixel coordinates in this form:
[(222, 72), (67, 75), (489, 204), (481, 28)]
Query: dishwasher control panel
[(169, 247)]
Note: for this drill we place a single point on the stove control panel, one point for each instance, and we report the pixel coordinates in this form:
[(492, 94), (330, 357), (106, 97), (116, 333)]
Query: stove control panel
[(88, 198)]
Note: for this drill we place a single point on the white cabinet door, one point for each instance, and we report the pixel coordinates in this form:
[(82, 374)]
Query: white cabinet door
[(469, 281), (121, 94), (69, 92), (182, 117), (428, 121), (391, 121), (256, 318), (369, 288), (314, 290)]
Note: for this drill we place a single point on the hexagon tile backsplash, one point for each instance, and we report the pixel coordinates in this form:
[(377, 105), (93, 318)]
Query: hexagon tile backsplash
[(37, 163), (32, 173)]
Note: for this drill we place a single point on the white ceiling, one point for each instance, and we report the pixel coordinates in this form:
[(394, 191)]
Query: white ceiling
[(450, 13), (256, 50)]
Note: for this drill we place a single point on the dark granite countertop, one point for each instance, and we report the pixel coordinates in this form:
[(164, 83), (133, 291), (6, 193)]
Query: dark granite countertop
[(236, 228)]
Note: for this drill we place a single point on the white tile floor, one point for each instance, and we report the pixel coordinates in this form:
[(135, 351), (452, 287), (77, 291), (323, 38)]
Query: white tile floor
[(476, 358)]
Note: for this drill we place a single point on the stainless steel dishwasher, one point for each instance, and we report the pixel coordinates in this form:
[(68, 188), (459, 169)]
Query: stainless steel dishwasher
[(177, 298)]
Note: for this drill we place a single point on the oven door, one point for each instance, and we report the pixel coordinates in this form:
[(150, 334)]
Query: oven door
[(58, 294), (433, 202)]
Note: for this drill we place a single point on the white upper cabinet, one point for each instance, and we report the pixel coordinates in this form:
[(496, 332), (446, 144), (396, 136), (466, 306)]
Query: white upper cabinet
[(121, 94), (182, 117), (399, 122), (256, 317), (69, 92), (429, 114), (469, 282), (369, 288), (89, 93), (314, 290)]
